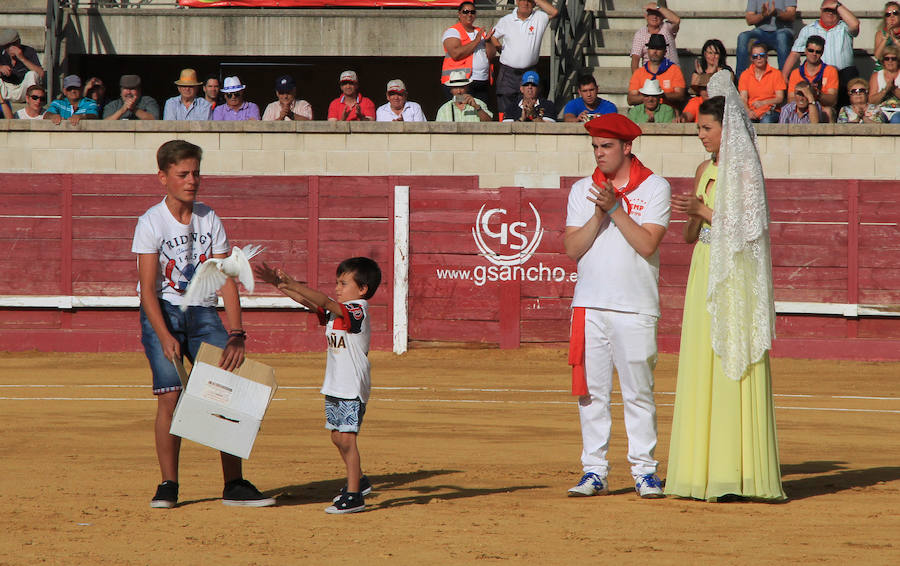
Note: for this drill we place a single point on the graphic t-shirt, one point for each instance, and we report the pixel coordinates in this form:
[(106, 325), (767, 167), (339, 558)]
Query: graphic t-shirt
[(347, 374), (181, 247)]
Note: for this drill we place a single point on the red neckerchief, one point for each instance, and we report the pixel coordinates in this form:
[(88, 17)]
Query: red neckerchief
[(828, 28), (637, 175)]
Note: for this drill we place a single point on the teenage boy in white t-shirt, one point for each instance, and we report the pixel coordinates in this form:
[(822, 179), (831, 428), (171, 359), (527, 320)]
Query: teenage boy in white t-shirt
[(615, 223), (347, 372), (171, 240)]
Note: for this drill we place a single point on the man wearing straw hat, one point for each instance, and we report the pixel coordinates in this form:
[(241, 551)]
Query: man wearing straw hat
[(187, 105)]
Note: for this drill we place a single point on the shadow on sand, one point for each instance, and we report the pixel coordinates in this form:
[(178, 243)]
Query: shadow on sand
[(832, 477)]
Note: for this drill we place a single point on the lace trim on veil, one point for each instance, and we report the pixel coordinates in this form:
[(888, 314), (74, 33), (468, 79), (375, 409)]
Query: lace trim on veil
[(739, 296)]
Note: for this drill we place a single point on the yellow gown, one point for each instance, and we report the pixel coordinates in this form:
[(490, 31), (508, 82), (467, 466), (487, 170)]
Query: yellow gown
[(723, 431)]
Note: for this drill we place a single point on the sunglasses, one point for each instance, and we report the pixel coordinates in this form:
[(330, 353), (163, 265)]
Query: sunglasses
[(799, 93), (348, 83), (473, 12), (816, 51), (889, 58), (759, 55), (232, 94), (891, 13), (36, 97), (397, 92), (859, 90)]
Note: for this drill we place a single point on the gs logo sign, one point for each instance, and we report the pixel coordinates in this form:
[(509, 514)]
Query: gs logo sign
[(507, 244)]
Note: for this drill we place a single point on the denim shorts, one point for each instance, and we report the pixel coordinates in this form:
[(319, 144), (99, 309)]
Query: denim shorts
[(344, 415), (190, 328)]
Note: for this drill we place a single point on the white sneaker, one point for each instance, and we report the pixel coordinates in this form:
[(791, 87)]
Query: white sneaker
[(590, 484), (649, 486)]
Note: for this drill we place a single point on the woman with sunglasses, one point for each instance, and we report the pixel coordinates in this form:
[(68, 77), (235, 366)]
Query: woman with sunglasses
[(884, 85), (859, 111), (889, 32)]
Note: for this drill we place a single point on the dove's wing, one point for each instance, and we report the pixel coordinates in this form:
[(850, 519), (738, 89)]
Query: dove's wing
[(251, 251), (206, 281), (241, 264)]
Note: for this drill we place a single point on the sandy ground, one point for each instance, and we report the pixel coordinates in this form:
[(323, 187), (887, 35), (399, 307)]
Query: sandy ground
[(470, 451)]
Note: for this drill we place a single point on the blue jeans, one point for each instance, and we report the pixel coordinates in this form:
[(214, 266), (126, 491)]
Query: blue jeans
[(781, 39), (191, 328), (770, 117), (895, 119)]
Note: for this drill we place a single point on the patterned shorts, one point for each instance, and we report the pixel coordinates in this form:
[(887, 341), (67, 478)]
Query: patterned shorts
[(344, 415)]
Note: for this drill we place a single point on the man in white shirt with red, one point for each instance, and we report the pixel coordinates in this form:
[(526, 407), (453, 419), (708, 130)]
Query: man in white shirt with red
[(521, 33), (616, 220)]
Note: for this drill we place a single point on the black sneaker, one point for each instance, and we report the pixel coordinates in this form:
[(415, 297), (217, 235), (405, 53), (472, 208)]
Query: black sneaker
[(365, 487), (347, 503), (166, 495), (241, 493)]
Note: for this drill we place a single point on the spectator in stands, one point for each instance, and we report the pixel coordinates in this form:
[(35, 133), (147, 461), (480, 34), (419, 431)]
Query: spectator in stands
[(463, 107), (521, 32), (773, 20), (351, 106), (888, 33), (287, 107), (468, 48), (661, 68), (35, 97), (691, 109), (211, 91), (588, 105), (530, 107), (235, 109), (859, 111), (838, 26), (398, 107), (712, 59), (884, 85), (72, 107), (95, 89), (762, 87), (131, 104), (6, 111), (188, 105), (19, 66), (823, 78), (803, 109), (652, 109), (660, 21)]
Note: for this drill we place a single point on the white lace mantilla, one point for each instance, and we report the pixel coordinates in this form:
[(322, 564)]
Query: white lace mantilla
[(739, 296)]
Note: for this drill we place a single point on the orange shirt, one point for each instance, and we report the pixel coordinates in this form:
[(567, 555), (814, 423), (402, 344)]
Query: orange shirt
[(692, 106), (761, 89), (668, 81), (829, 80)]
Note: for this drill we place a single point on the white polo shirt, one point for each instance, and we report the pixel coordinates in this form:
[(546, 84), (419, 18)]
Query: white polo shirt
[(521, 38), (411, 112), (611, 274)]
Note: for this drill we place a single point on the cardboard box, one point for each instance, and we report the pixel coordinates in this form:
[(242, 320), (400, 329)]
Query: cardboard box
[(221, 409)]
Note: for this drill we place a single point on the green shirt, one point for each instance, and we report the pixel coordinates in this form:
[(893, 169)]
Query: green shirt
[(663, 115), (450, 113)]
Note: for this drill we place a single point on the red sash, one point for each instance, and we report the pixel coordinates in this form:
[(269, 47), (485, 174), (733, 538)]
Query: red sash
[(636, 175), (576, 352)]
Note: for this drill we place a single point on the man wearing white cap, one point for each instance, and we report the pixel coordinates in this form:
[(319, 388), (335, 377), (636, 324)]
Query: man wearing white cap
[(652, 109), (351, 106), (463, 107), (235, 107), (187, 105), (19, 66), (398, 107)]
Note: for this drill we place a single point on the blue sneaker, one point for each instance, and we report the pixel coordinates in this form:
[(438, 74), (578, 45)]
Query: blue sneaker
[(590, 484), (649, 486)]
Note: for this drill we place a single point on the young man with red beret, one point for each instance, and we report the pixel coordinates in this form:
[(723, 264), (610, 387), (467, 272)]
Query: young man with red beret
[(616, 220)]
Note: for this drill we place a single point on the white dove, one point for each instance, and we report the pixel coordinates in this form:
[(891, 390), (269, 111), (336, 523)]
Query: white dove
[(214, 272)]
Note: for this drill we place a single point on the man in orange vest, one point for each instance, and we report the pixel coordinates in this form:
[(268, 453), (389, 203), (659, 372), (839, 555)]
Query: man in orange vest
[(468, 48)]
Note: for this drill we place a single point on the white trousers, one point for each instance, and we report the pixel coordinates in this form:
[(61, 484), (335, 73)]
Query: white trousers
[(626, 342), (16, 93)]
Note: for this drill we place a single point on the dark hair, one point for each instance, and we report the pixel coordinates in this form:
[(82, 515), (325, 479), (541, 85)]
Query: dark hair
[(720, 48), (211, 76), (466, 3), (816, 40), (33, 88), (174, 151), (366, 273), (765, 47), (713, 106), (586, 80)]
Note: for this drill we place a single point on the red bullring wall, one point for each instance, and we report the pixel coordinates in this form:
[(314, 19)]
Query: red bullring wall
[(70, 235)]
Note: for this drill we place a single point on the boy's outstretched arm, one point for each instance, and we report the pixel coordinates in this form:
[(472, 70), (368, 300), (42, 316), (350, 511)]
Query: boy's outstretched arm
[(316, 298), (276, 278)]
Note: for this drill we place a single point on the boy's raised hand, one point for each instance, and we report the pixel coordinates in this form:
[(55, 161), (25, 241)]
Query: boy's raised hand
[(284, 280), (267, 274)]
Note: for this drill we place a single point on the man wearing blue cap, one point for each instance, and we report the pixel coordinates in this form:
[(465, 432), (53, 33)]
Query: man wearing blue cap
[(530, 107), (287, 107)]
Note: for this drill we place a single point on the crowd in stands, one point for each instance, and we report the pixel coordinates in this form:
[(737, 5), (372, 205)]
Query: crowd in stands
[(822, 87)]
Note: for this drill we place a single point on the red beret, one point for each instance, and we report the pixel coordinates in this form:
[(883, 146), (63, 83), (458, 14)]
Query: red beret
[(613, 126)]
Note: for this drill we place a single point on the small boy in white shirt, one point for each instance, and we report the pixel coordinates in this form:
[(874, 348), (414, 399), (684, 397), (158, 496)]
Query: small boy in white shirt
[(347, 372)]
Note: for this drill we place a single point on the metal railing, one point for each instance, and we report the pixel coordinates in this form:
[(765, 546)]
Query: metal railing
[(571, 36), (53, 29)]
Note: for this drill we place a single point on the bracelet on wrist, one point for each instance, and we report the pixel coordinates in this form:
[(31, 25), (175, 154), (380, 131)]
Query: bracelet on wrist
[(613, 209), (237, 334)]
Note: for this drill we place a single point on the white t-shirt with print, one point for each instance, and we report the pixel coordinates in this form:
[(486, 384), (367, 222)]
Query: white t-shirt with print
[(611, 274), (181, 247), (347, 371)]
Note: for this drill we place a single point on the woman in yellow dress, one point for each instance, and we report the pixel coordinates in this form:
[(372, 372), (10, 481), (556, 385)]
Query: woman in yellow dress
[(724, 443)]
